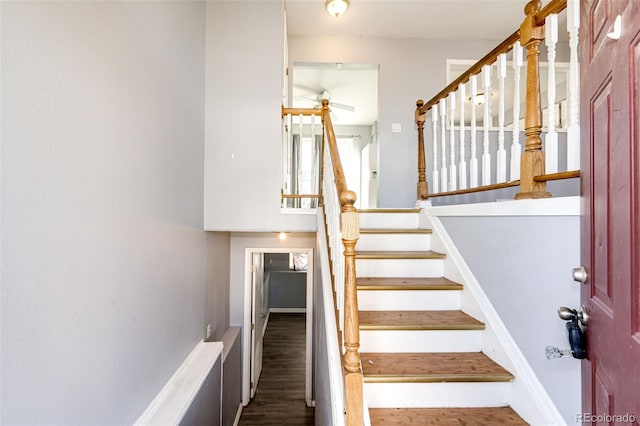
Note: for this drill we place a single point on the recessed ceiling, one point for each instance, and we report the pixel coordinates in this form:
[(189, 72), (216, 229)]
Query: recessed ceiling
[(431, 19)]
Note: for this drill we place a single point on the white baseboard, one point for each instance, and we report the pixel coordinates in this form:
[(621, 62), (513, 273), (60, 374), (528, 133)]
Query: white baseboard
[(236, 421), (287, 310)]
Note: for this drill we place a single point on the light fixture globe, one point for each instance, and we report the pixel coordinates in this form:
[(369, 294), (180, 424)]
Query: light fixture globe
[(336, 7)]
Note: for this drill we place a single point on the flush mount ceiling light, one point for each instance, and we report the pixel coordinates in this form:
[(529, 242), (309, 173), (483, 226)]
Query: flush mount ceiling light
[(336, 7)]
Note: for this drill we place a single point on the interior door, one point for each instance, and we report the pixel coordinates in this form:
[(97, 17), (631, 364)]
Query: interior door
[(610, 73), (258, 318)]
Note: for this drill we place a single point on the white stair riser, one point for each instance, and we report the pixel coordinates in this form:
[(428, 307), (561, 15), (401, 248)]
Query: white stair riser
[(398, 268), (408, 300), (388, 220), (431, 395), (394, 242), (420, 340)]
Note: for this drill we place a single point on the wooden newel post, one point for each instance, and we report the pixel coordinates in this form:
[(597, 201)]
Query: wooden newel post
[(532, 160), (423, 186), (353, 373)]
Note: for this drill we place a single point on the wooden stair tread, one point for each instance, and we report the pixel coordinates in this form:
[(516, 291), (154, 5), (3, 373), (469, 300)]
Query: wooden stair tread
[(384, 283), (445, 416), (431, 367), (418, 320), (395, 231), (398, 210), (384, 254)]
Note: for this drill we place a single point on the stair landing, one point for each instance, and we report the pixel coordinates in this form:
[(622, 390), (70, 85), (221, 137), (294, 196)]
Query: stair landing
[(444, 416)]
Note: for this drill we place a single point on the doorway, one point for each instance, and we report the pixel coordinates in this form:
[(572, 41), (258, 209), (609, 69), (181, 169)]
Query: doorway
[(257, 309), (352, 91)]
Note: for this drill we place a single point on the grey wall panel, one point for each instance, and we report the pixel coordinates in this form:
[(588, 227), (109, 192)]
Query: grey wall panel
[(287, 289), (524, 266), (232, 380), (205, 410)]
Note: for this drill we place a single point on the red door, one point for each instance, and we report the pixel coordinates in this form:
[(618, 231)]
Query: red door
[(610, 101)]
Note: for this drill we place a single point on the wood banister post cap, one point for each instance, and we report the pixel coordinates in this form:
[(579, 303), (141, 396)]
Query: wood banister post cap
[(532, 7), (420, 117), (325, 103), (530, 31), (348, 199)]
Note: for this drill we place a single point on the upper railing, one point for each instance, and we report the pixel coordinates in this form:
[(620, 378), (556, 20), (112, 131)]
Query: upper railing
[(343, 231), (471, 157)]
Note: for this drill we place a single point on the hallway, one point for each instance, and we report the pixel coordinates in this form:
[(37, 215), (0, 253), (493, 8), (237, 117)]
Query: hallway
[(279, 398)]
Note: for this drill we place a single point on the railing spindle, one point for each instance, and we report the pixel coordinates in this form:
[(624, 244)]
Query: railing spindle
[(462, 165), (434, 124), (473, 163), (453, 169), (516, 147), (551, 137), (573, 130), (443, 141), (486, 157), (501, 160)]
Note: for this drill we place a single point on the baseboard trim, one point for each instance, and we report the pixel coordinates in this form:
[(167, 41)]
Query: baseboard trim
[(236, 421), (287, 310), (560, 206)]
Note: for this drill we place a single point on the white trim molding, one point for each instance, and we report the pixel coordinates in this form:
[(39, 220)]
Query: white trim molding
[(561, 206), (177, 395)]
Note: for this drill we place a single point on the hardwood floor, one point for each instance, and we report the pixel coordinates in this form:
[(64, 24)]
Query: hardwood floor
[(279, 398)]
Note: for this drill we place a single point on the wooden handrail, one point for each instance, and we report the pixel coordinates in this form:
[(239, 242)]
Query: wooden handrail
[(350, 231), (338, 171), (487, 59), (554, 6), (477, 189), (301, 196), (301, 111), (557, 176)]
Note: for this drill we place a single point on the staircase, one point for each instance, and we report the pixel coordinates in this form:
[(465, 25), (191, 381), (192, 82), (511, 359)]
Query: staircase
[(421, 355)]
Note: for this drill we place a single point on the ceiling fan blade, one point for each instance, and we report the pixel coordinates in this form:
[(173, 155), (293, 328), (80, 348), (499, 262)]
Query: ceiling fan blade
[(305, 88), (342, 106)]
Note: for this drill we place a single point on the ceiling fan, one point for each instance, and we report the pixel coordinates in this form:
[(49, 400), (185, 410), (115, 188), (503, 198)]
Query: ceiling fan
[(325, 94)]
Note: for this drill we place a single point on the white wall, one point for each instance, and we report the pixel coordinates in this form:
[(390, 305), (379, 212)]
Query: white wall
[(524, 266), (409, 69), (104, 259), (243, 128)]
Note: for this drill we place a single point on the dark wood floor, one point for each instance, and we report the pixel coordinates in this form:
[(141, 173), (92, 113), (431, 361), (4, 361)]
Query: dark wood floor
[(279, 399)]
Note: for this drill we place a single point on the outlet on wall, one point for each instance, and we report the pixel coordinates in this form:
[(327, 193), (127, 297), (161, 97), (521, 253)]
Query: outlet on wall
[(208, 331)]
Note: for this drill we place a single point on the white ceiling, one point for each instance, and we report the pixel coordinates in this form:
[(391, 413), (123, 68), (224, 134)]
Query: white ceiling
[(352, 85), (431, 19)]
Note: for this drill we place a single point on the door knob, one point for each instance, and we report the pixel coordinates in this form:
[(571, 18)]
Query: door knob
[(580, 274), (575, 333), (568, 314)]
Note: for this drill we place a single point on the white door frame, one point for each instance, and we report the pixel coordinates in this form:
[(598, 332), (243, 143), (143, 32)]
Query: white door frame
[(246, 328)]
